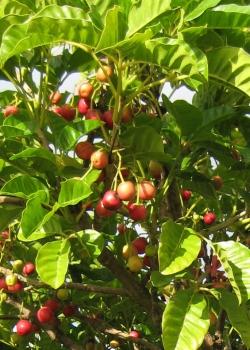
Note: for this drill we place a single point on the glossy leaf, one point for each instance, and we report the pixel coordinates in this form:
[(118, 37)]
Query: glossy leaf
[(179, 247), (238, 315), (35, 153), (93, 241), (235, 259), (52, 262), (73, 191), (199, 8), (8, 214), (23, 186), (185, 321)]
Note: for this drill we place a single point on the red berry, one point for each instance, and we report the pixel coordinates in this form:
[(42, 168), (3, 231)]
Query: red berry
[(99, 159), (121, 228), (111, 200), (52, 304), (101, 76), (135, 334), (3, 285), (17, 287), (107, 117), (10, 110), (44, 314), (23, 327), (84, 150), (140, 244), (69, 310), (55, 97), (102, 211), (147, 190), (186, 194), (127, 114), (147, 261), (28, 268), (126, 190), (137, 212), (5, 234), (93, 114), (217, 181), (66, 111), (209, 218), (86, 90), (83, 105)]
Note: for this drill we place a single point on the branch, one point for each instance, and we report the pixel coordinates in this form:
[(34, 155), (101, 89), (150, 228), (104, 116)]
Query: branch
[(11, 200)]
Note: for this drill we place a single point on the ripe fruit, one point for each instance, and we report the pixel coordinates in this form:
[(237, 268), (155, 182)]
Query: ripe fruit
[(52, 304), (55, 97), (155, 169), (111, 200), (17, 287), (147, 261), (217, 182), (147, 190), (102, 211), (127, 114), (84, 150), (28, 268), (186, 195), (140, 244), (85, 90), (11, 280), (126, 190), (135, 334), (10, 110), (17, 265), (99, 159), (5, 234), (137, 212), (107, 117), (44, 314), (101, 76), (83, 105), (135, 263), (69, 310), (93, 114), (128, 250), (62, 294), (209, 218), (23, 327), (121, 228), (114, 344), (66, 111), (3, 285)]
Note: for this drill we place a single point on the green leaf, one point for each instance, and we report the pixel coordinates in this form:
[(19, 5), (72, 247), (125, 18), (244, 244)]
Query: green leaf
[(238, 315), (23, 186), (52, 262), (33, 152), (8, 214), (114, 30), (231, 67), (16, 126), (143, 13), (235, 259), (17, 8), (73, 191), (200, 7), (179, 247), (226, 16), (185, 321), (93, 242)]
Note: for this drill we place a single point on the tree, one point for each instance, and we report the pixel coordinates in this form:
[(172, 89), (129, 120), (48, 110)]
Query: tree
[(125, 215)]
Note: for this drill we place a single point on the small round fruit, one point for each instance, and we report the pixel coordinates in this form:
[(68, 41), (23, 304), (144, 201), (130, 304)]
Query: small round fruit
[(93, 114), (83, 105), (121, 228), (17, 265), (103, 77), (62, 294), (10, 110), (135, 334), (66, 111), (3, 297), (99, 159), (11, 280), (209, 218), (135, 263), (44, 314), (52, 304), (127, 114), (23, 327), (3, 285), (102, 211), (85, 90), (217, 182), (126, 190), (186, 195), (128, 250), (155, 169), (140, 244), (69, 310), (5, 234), (111, 200), (55, 97), (147, 261), (28, 268), (137, 212), (114, 344), (213, 318), (107, 117), (147, 190), (16, 288), (84, 150)]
